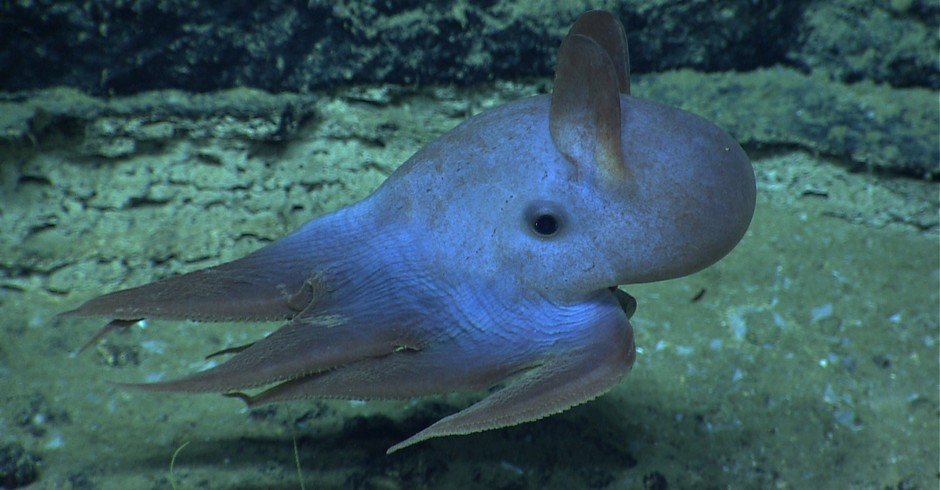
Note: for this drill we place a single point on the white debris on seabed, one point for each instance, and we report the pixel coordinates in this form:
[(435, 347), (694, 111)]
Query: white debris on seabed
[(684, 350), (37, 320), (738, 325), (55, 442), (847, 418), (506, 465), (153, 346), (820, 312), (204, 365), (844, 414)]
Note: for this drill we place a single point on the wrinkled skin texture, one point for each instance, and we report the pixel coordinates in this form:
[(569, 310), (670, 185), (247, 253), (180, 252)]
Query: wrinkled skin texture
[(491, 257)]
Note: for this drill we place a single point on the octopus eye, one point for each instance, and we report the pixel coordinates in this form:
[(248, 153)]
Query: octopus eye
[(545, 225), (544, 219)]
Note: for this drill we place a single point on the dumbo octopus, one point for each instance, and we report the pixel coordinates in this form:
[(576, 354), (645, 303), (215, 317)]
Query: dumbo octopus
[(491, 258)]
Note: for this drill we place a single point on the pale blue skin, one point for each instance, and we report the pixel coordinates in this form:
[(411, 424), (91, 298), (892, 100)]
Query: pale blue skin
[(438, 281)]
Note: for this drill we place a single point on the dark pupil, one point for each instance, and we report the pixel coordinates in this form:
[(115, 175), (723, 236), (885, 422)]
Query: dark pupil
[(546, 224)]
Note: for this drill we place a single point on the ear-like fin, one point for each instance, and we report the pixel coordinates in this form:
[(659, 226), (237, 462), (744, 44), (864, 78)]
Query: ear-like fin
[(584, 119), (607, 31)]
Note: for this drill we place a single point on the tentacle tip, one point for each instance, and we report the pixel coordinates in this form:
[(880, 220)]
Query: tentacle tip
[(398, 447), (248, 399), (131, 386), (411, 441), (111, 326)]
